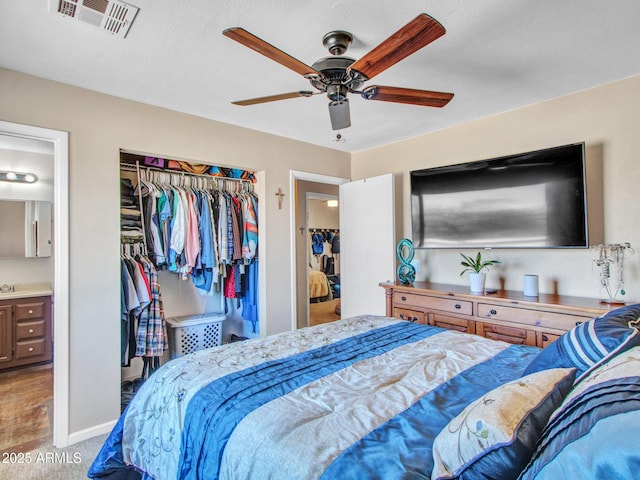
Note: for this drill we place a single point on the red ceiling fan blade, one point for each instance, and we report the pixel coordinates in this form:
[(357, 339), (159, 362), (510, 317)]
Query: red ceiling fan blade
[(421, 31), (247, 39), (412, 96), (273, 98)]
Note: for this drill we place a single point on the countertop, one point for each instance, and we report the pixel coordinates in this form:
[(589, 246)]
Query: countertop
[(23, 290)]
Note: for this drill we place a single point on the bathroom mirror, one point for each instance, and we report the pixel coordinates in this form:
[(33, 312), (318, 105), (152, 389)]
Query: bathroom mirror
[(25, 228)]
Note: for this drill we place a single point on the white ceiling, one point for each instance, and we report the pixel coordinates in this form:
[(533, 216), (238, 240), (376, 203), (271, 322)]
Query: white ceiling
[(497, 55)]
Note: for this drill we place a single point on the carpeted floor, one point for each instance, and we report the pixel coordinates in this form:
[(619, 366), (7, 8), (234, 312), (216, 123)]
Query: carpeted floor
[(323, 312), (50, 463)]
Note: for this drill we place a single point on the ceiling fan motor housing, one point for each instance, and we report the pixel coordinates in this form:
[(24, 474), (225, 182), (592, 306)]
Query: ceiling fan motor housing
[(337, 41), (334, 78)]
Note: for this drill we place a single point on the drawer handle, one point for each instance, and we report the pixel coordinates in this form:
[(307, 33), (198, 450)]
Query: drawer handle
[(31, 349), (30, 312), (578, 323), (31, 330), (414, 319), (493, 312), (402, 316), (458, 306), (404, 299), (545, 338)]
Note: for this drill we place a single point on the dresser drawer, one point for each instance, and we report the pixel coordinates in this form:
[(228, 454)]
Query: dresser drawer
[(516, 335), (452, 305), (26, 311), (30, 348), (451, 323), (28, 330), (539, 318), (411, 315), (545, 339)]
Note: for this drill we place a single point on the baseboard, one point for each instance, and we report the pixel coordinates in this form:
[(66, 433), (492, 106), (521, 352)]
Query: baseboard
[(88, 433)]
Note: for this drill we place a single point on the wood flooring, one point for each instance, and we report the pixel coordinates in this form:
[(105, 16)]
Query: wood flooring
[(26, 409)]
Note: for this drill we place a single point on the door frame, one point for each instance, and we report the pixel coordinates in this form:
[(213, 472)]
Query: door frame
[(295, 175), (60, 142)]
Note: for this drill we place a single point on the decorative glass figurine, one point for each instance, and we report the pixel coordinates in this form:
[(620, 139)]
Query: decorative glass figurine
[(406, 271), (611, 257)]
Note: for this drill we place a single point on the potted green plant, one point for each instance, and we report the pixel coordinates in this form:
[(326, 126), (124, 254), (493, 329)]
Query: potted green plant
[(476, 266)]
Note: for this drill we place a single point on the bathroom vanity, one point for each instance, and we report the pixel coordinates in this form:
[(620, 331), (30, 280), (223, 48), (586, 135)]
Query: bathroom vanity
[(25, 325)]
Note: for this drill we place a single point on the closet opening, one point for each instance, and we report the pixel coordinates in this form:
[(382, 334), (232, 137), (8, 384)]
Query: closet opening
[(192, 230)]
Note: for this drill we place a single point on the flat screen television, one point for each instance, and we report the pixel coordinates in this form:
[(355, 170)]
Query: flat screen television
[(529, 200)]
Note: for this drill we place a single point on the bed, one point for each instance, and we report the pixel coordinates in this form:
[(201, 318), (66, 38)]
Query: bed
[(319, 288), (376, 397)]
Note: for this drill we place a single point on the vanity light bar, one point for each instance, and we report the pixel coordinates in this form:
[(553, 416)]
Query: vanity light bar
[(9, 176)]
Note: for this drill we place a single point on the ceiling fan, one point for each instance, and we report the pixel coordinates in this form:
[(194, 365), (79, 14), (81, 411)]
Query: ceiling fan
[(338, 75)]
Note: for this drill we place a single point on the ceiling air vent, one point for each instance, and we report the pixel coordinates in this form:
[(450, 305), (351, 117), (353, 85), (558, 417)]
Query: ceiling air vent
[(112, 16)]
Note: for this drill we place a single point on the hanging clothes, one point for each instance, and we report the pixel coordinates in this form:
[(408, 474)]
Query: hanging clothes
[(151, 338), (129, 307), (205, 230), (250, 238), (250, 301), (143, 329)]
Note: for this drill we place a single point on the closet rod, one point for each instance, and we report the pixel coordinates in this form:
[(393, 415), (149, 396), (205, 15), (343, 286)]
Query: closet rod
[(136, 167)]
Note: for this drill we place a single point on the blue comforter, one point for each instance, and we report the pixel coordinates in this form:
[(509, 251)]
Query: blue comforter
[(358, 398)]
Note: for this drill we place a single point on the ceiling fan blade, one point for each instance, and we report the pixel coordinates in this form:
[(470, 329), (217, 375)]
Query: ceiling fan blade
[(273, 98), (340, 114), (419, 32), (412, 96), (247, 39)]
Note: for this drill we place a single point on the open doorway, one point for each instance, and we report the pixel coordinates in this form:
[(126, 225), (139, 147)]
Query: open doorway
[(367, 249), (25, 138), (323, 257), (307, 186)]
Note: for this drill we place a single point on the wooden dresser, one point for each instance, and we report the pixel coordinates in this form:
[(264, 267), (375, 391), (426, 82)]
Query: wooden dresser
[(504, 315), (25, 331)]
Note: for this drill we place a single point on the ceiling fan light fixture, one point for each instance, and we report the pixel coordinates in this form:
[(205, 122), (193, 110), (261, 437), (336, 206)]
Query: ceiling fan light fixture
[(340, 114)]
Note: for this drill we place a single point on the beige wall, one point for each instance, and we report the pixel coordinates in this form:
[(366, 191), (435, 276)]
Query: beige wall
[(323, 216), (99, 126), (605, 118)]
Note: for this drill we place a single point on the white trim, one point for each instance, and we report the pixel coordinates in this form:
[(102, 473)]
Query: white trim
[(309, 177), (60, 141), (321, 196), (88, 433)]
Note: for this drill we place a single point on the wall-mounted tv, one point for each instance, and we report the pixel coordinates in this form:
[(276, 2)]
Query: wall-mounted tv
[(529, 200)]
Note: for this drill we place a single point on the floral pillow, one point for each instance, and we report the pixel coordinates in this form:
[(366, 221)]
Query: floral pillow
[(592, 343), (494, 436)]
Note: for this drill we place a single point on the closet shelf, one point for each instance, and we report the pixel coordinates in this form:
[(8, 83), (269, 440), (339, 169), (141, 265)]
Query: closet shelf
[(136, 165)]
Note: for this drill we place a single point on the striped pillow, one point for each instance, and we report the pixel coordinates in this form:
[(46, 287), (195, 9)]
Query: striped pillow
[(591, 343), (594, 433)]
